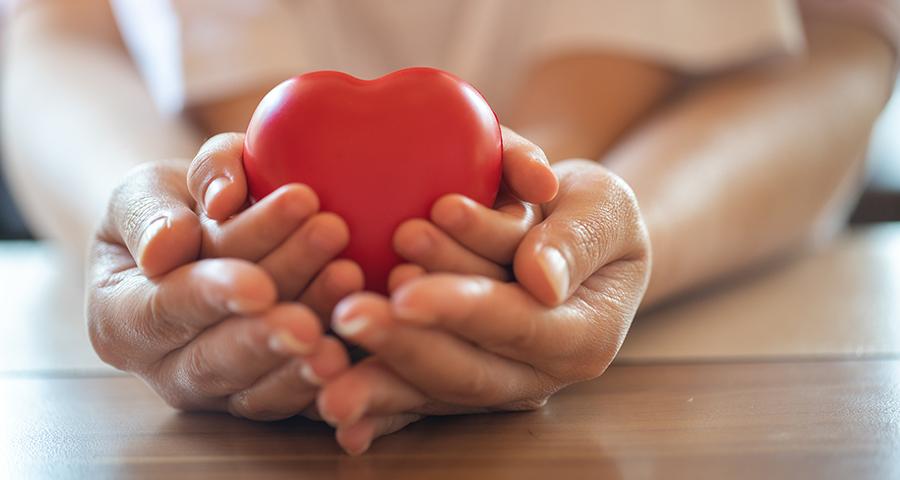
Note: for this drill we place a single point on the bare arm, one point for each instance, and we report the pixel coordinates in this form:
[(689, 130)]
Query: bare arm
[(759, 163), (745, 167), (76, 116)]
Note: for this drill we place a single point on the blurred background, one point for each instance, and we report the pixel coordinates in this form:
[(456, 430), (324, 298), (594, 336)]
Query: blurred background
[(11, 224), (880, 202)]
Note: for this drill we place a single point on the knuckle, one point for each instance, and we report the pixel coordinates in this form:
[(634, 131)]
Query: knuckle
[(105, 321), (199, 376), (172, 391), (525, 338), (474, 387), (159, 326), (100, 335)]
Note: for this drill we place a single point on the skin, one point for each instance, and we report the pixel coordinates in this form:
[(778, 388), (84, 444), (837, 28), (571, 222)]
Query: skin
[(788, 179)]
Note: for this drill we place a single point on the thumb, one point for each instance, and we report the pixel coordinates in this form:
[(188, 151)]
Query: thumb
[(151, 214), (593, 222), (216, 177), (526, 170)]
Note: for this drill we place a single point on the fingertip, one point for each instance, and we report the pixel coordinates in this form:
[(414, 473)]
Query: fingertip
[(407, 306), (412, 239), (340, 399), (355, 303), (216, 178), (543, 271), (296, 200), (223, 198), (546, 185), (296, 330), (362, 318), (168, 242), (403, 273), (530, 177), (328, 232), (343, 277), (451, 212), (248, 289), (328, 361), (357, 438)]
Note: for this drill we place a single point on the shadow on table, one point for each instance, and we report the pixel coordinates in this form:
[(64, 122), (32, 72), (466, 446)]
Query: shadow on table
[(441, 447)]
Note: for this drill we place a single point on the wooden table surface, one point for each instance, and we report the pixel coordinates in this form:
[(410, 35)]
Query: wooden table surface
[(791, 372)]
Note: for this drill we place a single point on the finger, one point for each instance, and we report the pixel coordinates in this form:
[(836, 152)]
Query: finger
[(134, 321), (526, 170), (337, 280), (255, 232), (276, 396), (572, 342), (327, 362), (291, 388), (419, 241), (492, 234), (403, 273), (594, 221), (440, 365), (216, 176), (499, 317), (369, 388), (299, 259), (193, 297), (357, 438), (234, 354), (151, 214)]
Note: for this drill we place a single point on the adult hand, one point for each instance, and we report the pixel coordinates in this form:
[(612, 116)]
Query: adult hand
[(447, 343), (205, 334)]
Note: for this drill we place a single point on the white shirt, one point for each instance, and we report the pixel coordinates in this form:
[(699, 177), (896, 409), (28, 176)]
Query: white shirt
[(193, 51)]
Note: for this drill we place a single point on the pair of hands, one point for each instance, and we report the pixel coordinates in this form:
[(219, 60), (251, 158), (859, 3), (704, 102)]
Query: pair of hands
[(217, 305)]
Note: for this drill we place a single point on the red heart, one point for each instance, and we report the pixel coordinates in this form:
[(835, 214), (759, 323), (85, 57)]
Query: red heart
[(376, 152)]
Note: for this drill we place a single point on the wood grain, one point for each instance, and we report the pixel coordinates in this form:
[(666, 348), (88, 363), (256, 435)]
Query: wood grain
[(822, 419)]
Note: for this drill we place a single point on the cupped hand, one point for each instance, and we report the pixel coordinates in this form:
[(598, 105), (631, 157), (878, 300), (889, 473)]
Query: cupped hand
[(215, 333), (446, 343)]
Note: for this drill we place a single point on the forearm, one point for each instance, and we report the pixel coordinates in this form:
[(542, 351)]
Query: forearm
[(757, 163), (76, 117)]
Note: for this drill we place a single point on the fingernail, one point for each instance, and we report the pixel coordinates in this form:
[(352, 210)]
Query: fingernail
[(285, 342), (245, 305), (213, 189), (556, 270), (308, 374), (351, 326), (150, 232)]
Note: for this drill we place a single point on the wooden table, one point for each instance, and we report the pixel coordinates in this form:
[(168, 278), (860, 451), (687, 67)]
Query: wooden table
[(791, 372)]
